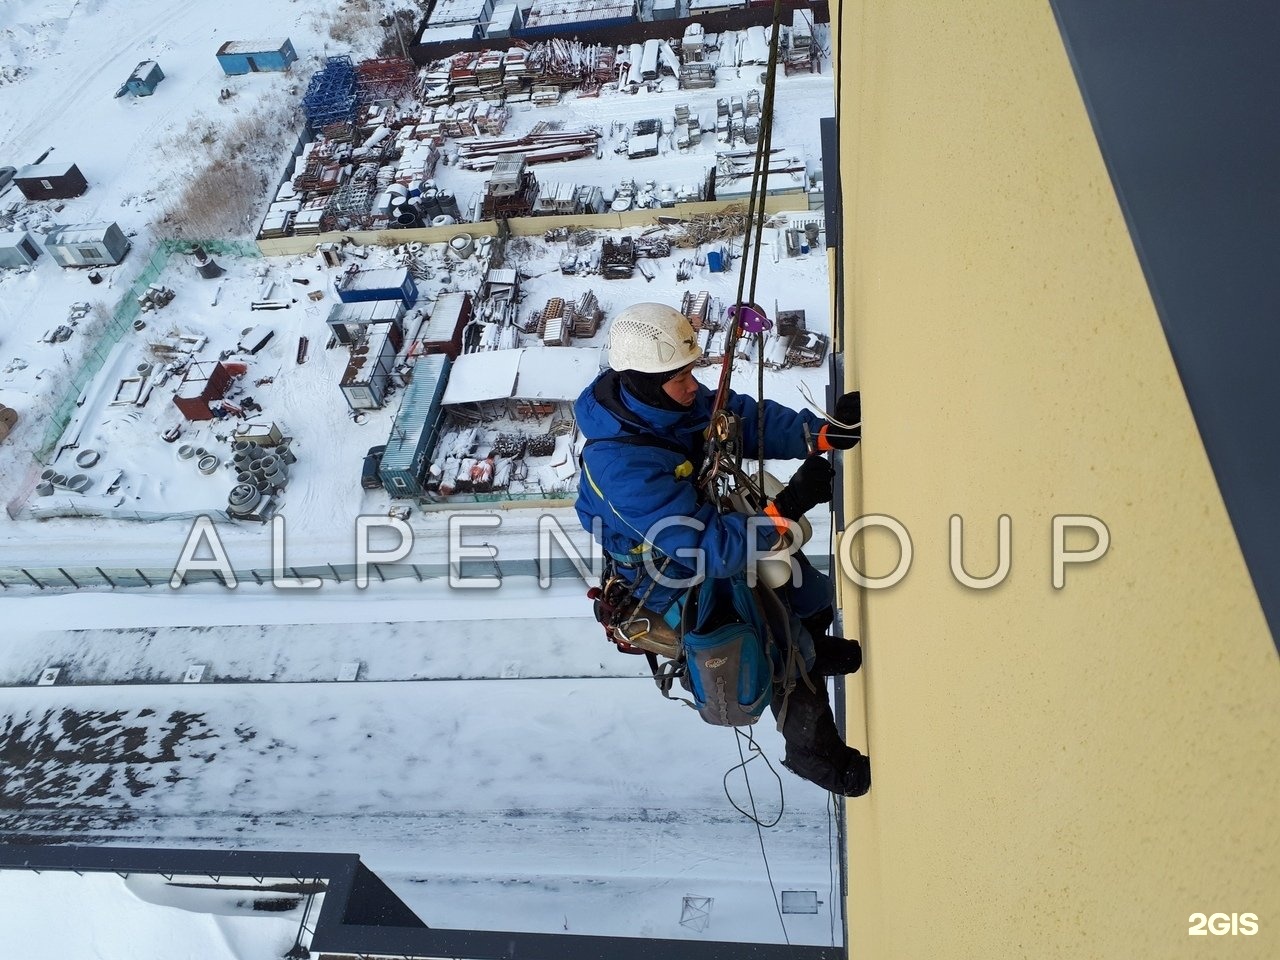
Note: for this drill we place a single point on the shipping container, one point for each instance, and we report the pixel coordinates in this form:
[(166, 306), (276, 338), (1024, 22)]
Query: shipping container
[(348, 320), (416, 428), (442, 331), (255, 56), (391, 283), (366, 380)]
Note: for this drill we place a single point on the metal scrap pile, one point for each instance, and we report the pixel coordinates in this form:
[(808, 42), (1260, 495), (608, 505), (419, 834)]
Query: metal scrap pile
[(477, 154)]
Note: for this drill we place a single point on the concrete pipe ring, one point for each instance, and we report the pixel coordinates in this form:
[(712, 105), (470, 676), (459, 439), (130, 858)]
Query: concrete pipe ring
[(244, 497), (208, 464)]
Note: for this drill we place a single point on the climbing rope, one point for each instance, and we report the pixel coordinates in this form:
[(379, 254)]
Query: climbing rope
[(724, 453)]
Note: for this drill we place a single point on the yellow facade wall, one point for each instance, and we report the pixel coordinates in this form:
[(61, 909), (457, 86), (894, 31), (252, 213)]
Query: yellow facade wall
[(1065, 772), (792, 200)]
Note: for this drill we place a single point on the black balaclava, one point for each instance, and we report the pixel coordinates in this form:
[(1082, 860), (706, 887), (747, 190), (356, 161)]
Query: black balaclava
[(647, 388)]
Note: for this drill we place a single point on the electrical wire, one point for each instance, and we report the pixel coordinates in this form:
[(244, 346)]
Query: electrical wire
[(814, 406), (831, 870), (753, 816)]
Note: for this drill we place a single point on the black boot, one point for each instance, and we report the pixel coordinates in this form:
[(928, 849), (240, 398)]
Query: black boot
[(836, 656), (850, 779), (818, 623), (815, 750)]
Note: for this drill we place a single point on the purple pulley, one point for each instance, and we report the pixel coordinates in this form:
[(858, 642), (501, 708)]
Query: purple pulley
[(750, 318)]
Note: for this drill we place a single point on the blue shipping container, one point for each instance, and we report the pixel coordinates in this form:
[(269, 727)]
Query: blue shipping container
[(254, 56), (392, 283)]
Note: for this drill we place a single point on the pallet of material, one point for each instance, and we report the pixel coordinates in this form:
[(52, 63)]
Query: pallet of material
[(545, 95)]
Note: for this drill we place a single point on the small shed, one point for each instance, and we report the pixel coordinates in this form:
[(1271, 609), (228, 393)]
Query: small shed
[(202, 383), (87, 245), (416, 428), (442, 331), (255, 56), (349, 320), (18, 249), (390, 283), (368, 375), (143, 81), (50, 181)]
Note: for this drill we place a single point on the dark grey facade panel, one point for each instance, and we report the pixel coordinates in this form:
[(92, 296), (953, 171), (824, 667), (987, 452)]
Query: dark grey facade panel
[(1184, 97)]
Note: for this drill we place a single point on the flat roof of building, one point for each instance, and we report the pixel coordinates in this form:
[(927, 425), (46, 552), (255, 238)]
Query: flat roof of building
[(526, 373), (80, 233), (547, 12), (33, 170), (457, 11)]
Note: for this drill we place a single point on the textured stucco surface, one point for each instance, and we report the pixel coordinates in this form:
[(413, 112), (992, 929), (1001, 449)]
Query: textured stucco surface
[(1056, 773)]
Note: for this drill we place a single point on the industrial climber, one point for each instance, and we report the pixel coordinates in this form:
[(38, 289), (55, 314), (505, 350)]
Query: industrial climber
[(645, 421)]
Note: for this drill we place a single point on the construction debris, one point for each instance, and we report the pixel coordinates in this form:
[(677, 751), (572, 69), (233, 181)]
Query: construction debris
[(156, 297)]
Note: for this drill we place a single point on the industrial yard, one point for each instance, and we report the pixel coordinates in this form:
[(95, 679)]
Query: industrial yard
[(217, 299)]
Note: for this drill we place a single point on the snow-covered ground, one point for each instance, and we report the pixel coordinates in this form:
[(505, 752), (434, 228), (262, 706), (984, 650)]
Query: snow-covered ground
[(497, 762)]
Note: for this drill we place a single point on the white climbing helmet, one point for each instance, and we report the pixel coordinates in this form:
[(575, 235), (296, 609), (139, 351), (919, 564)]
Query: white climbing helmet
[(651, 338)]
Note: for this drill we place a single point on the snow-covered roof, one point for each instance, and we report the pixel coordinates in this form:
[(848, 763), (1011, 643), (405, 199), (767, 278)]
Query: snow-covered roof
[(503, 14), (367, 311), (529, 373), (457, 11), (11, 238), (270, 45), (449, 31), (546, 12), (476, 377), (80, 233), (556, 373), (384, 278), (415, 409), (443, 322), (43, 170)]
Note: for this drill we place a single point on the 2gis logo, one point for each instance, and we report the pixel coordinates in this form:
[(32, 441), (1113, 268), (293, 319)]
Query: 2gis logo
[(1220, 924)]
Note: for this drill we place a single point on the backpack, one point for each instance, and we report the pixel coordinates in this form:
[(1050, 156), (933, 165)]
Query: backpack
[(727, 644)]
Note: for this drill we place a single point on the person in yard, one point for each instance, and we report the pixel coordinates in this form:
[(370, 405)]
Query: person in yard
[(655, 412)]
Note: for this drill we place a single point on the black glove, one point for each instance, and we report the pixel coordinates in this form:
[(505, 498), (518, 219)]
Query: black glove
[(808, 487), (848, 410)]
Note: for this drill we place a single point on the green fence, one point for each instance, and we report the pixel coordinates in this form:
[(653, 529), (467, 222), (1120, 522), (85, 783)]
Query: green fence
[(126, 311)]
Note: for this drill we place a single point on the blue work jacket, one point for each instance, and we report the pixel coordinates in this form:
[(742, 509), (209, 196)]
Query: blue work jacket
[(630, 492)]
